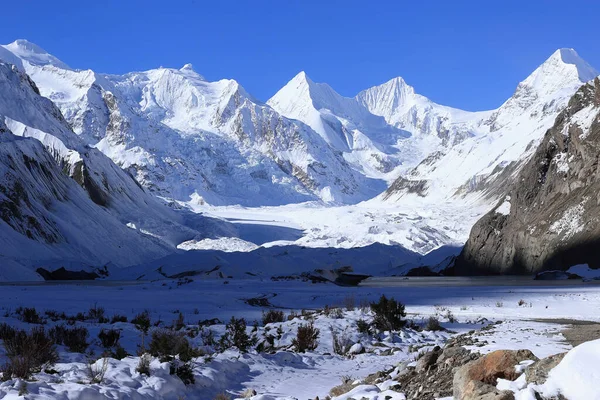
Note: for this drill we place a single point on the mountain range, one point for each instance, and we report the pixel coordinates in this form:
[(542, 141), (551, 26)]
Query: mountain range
[(120, 161)]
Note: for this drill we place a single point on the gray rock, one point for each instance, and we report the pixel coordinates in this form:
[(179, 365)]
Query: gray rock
[(554, 217), (538, 372)]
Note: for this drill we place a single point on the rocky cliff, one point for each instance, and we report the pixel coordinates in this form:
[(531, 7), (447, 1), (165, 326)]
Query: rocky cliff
[(550, 218)]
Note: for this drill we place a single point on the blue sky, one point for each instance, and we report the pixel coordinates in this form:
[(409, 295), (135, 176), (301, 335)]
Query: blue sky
[(466, 54)]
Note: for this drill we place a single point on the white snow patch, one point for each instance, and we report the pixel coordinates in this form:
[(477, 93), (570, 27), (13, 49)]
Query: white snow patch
[(227, 244), (504, 208)]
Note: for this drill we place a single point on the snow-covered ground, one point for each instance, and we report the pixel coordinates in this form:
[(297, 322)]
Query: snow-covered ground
[(284, 374)]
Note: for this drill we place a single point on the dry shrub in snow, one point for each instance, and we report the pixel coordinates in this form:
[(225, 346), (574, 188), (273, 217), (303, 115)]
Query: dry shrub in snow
[(433, 324), (109, 338), (166, 344), (306, 338), (272, 316), (96, 370), (341, 342), (28, 353), (74, 338)]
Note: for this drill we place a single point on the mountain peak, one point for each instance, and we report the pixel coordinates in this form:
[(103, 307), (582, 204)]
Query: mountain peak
[(187, 67), (569, 56), (26, 45), (34, 54), (560, 75)]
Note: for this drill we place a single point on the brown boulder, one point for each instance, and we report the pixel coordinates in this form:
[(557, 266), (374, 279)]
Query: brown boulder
[(477, 380)]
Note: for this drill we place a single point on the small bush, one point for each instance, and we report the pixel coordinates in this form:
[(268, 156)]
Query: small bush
[(306, 338), (522, 302), (349, 303), (118, 318), (272, 316), (499, 304), (179, 323), (363, 326), (109, 338), (55, 315), (433, 324), (184, 372), (29, 315), (119, 353), (6, 331), (341, 342), (142, 323), (74, 338), (96, 372), (236, 335), (143, 366), (166, 344), (28, 353), (97, 314), (388, 314), (222, 396)]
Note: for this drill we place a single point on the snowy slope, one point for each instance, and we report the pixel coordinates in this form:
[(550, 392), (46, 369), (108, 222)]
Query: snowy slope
[(186, 138), (63, 201)]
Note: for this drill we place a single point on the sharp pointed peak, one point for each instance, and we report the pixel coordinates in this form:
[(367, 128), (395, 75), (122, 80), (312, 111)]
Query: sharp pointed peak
[(568, 56)]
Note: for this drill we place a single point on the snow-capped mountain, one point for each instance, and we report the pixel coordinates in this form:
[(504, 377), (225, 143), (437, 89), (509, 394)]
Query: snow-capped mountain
[(502, 139), (196, 142), (184, 137), (62, 201)]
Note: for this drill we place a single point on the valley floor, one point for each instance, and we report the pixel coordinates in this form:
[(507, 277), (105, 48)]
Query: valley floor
[(411, 224), (532, 317)]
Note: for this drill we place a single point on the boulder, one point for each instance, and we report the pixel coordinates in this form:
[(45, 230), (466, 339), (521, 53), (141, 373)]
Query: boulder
[(428, 359), (477, 379), (538, 372)]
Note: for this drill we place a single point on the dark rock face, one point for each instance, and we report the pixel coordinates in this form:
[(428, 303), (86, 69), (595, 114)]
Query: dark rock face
[(551, 216)]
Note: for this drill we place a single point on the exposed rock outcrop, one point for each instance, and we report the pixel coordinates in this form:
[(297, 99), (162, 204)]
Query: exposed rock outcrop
[(477, 379), (551, 216)]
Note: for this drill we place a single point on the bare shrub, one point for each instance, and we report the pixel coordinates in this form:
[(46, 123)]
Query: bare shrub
[(96, 372), (74, 338), (118, 318), (109, 338), (306, 338), (222, 396), (499, 304), (341, 342), (6, 331), (29, 315), (96, 313), (433, 324), (179, 323), (142, 323), (28, 353), (350, 303), (272, 316)]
